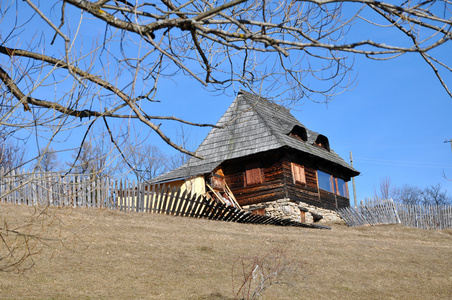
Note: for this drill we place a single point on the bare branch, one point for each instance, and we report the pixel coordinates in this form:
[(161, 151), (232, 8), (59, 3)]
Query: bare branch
[(286, 49)]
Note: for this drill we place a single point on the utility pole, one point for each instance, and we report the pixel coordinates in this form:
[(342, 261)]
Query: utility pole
[(353, 179), (449, 141)]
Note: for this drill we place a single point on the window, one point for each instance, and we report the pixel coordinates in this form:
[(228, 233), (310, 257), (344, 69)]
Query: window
[(332, 184), (298, 173), (253, 174), (342, 189), (322, 141), (325, 181), (299, 132)]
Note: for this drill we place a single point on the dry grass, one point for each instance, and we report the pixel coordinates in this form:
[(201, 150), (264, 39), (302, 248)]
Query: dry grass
[(108, 254)]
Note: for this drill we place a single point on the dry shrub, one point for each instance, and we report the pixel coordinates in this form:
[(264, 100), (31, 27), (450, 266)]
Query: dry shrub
[(253, 275), (21, 240)]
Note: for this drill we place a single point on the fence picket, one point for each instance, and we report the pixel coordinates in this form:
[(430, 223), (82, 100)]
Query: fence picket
[(151, 198), (137, 195), (19, 187), (388, 212)]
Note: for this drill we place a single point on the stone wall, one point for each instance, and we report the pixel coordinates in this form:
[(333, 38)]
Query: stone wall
[(297, 211)]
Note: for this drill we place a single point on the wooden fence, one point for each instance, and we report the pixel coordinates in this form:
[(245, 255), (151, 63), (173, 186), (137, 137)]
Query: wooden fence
[(378, 211), (88, 191), (55, 189)]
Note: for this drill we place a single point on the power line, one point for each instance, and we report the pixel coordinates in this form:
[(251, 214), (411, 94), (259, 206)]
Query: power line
[(405, 163)]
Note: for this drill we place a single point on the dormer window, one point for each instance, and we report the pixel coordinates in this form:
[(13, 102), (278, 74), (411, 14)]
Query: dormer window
[(322, 141), (299, 133)]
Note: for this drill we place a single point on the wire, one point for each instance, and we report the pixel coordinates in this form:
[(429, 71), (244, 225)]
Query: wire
[(405, 163)]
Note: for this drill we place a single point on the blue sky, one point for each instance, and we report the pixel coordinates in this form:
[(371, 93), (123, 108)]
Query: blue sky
[(394, 121), (395, 118)]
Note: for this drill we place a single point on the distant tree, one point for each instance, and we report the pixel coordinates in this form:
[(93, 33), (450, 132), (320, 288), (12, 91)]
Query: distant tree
[(48, 160), (387, 191), (148, 161), (11, 154), (430, 195), (95, 157), (434, 195), (408, 194), (84, 160)]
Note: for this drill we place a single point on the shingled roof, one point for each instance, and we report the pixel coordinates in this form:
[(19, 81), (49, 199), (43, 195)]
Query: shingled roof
[(251, 125)]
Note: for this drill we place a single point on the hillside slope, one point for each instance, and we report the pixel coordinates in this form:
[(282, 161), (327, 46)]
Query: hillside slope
[(90, 253)]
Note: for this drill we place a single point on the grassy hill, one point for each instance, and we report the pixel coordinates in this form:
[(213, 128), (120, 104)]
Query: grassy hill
[(90, 253)]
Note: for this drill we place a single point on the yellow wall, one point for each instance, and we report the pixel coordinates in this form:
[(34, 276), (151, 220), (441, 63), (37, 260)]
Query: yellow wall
[(128, 201), (194, 185)]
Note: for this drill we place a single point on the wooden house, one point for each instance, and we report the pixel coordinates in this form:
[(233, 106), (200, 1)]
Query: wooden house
[(262, 153)]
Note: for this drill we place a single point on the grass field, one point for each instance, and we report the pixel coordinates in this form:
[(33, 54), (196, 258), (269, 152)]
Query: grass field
[(90, 253)]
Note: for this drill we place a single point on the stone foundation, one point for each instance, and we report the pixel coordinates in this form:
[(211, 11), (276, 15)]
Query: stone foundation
[(297, 211)]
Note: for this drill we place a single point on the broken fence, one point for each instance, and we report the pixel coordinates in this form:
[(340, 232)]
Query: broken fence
[(379, 211), (53, 189)]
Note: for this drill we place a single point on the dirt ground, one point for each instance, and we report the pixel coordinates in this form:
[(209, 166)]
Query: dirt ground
[(101, 254)]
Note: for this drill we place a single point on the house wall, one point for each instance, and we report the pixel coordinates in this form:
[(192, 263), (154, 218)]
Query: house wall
[(310, 193), (194, 185), (270, 189), (278, 182)]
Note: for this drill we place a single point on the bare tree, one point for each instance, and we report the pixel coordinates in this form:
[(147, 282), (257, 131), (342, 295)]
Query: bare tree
[(87, 160), (147, 160), (408, 194), (48, 160), (387, 190), (430, 195), (285, 49), (434, 195), (11, 154), (12, 150)]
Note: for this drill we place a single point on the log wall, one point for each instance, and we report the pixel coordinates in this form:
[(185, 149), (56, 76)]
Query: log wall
[(270, 189), (278, 182)]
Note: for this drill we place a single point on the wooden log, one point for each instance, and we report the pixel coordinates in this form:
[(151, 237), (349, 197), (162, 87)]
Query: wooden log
[(122, 194), (137, 190)]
